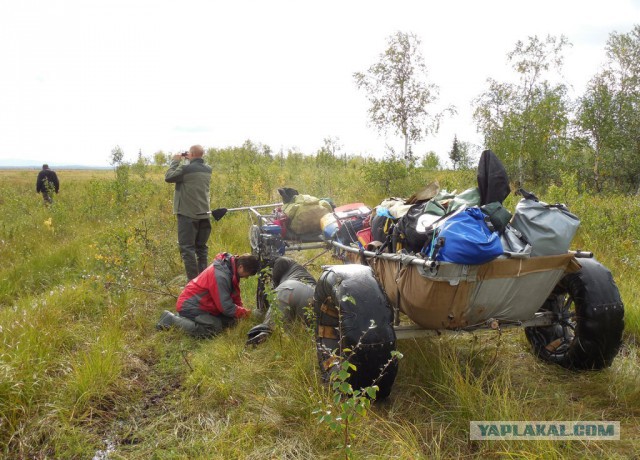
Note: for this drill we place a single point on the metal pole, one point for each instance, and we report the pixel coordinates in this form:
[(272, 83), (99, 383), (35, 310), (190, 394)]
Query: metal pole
[(387, 256), (249, 208)]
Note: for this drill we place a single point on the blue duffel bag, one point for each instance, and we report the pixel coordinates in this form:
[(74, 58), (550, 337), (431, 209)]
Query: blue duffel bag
[(464, 238)]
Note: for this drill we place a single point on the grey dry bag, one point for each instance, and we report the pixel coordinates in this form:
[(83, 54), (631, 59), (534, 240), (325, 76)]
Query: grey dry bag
[(549, 228)]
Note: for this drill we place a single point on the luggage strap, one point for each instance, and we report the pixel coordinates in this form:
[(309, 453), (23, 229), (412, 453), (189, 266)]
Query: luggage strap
[(329, 363), (327, 332), (331, 311)]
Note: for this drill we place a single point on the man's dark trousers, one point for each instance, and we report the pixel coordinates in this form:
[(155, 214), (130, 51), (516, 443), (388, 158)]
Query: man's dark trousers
[(193, 235)]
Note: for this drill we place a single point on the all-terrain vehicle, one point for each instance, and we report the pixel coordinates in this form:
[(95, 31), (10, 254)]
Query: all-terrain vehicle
[(568, 304)]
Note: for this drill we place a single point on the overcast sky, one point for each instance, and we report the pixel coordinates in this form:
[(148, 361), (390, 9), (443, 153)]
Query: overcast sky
[(79, 77)]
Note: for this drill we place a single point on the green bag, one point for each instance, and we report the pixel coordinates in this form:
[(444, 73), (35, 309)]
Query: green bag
[(305, 213), (497, 216)]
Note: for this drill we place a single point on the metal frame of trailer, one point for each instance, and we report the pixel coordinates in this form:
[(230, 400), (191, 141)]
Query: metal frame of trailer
[(269, 244)]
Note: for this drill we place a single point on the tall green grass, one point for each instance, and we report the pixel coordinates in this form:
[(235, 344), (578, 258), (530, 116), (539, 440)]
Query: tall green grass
[(82, 369)]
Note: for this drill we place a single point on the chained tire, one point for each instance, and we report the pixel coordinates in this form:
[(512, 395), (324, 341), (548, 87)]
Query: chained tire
[(353, 313), (590, 320), (254, 239)]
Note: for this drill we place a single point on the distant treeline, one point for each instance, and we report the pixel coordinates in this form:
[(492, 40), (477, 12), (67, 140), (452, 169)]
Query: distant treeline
[(542, 135)]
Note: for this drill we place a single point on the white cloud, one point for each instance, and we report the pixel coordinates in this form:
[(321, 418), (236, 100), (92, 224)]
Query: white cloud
[(80, 77)]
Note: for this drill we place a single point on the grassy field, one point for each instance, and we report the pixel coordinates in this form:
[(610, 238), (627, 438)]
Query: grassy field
[(84, 374)]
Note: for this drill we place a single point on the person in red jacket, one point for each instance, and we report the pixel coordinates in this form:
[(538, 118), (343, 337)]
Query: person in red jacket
[(211, 301)]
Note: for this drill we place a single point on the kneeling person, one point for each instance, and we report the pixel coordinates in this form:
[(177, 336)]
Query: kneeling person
[(294, 287), (211, 301)]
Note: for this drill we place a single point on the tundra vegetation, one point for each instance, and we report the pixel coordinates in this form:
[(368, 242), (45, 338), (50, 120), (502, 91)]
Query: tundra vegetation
[(85, 373)]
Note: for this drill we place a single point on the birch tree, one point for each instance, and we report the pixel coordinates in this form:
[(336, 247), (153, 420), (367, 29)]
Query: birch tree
[(400, 93), (526, 122)]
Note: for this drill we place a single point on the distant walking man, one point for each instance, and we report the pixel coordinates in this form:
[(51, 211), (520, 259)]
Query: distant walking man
[(47, 183), (191, 206)]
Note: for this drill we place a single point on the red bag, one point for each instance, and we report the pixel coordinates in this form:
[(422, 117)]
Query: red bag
[(364, 236)]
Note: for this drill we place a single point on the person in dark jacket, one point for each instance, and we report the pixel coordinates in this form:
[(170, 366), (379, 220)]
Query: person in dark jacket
[(192, 207), (47, 183), (211, 301), (294, 287)]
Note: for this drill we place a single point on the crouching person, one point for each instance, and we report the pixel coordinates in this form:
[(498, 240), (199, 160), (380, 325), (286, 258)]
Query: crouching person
[(294, 287), (211, 301)]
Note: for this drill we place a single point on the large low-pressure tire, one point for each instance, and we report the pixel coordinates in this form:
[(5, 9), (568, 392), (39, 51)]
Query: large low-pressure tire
[(353, 312), (588, 333)]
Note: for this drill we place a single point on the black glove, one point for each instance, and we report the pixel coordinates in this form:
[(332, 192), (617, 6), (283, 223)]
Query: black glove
[(219, 213), (258, 334)]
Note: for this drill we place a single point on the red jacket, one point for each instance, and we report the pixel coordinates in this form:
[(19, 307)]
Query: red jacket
[(216, 290)]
